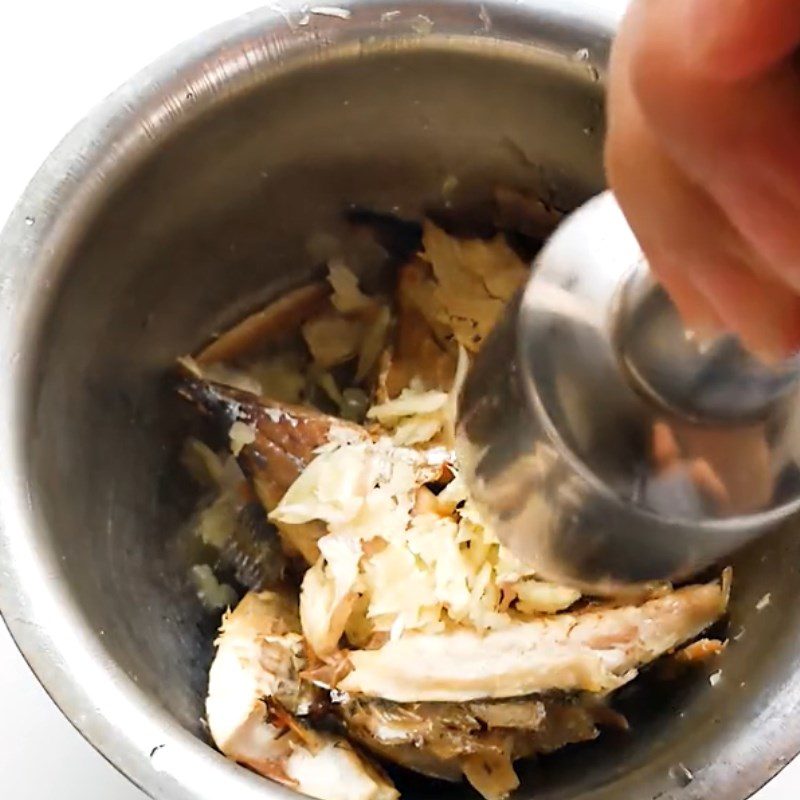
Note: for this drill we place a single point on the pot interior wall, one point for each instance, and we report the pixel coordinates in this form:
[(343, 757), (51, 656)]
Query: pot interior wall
[(246, 201)]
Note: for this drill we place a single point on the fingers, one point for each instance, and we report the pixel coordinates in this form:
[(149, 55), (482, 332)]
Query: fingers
[(740, 141), (764, 314), (708, 170), (692, 247), (665, 226)]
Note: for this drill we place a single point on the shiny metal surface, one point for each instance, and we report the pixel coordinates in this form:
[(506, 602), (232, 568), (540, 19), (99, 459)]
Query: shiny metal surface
[(617, 451), (707, 381), (189, 196)]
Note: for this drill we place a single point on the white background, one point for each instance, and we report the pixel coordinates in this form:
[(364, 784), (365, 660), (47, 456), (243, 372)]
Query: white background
[(57, 59)]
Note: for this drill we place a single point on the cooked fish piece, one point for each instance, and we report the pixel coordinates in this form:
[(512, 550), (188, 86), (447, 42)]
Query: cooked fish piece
[(276, 441), (234, 523), (284, 437), (253, 550), (420, 348), (254, 695), (492, 776), (278, 320), (450, 294), (595, 650), (472, 281), (436, 738), (336, 772), (255, 690), (399, 747), (260, 653)]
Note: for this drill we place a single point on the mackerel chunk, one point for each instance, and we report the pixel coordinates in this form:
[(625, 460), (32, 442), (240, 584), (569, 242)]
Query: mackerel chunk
[(595, 650), (257, 703), (436, 738), (275, 442)]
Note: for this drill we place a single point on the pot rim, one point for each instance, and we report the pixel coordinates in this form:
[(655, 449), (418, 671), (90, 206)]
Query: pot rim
[(151, 748)]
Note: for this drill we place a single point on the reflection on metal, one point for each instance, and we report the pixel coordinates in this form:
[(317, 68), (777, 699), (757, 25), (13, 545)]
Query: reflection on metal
[(663, 455)]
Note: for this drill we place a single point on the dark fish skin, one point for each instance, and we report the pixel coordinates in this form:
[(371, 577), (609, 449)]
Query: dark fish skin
[(286, 435), (286, 438), (434, 738), (253, 552), (399, 237)]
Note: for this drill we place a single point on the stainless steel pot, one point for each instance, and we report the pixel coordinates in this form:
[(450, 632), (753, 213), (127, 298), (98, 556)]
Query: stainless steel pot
[(212, 180)]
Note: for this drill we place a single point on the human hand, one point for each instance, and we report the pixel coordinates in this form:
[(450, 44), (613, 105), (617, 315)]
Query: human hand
[(703, 153)]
